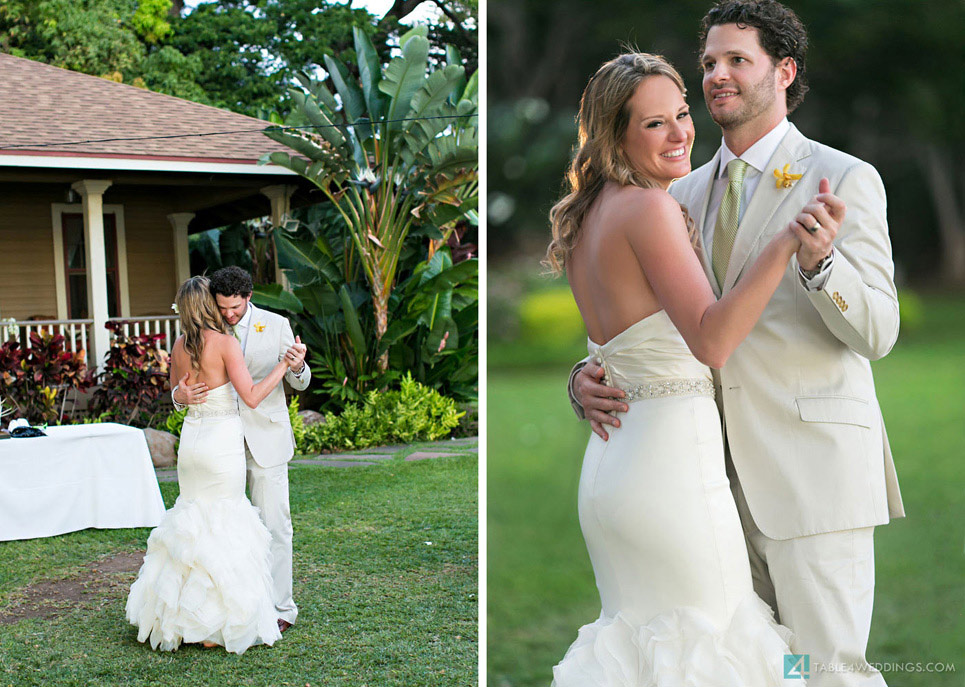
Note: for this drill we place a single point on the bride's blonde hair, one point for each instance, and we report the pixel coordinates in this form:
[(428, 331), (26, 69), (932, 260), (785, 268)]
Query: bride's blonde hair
[(600, 156), (198, 311)]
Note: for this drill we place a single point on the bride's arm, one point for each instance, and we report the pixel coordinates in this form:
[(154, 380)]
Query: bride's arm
[(712, 329), (234, 361)]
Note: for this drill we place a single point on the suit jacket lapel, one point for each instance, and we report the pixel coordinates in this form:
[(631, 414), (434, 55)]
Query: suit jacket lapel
[(699, 200), (704, 251), (767, 198), (249, 347)]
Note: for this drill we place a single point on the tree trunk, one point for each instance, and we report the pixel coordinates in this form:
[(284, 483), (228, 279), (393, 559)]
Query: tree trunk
[(381, 306), (951, 223)]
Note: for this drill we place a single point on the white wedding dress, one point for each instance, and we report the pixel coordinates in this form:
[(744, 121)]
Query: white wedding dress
[(206, 575), (664, 536)]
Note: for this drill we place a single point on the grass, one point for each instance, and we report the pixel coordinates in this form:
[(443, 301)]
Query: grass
[(540, 583), (385, 578)]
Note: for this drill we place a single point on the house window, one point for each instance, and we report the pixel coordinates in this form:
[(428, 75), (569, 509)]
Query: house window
[(75, 265)]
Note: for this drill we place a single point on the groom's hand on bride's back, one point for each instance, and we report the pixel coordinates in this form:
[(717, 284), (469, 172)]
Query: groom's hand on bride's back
[(190, 394), (597, 399)]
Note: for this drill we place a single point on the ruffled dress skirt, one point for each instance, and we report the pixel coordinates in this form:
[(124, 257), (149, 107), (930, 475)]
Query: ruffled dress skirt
[(206, 575)]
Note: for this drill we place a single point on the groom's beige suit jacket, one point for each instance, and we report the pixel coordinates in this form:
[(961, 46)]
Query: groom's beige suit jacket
[(267, 427), (801, 418)]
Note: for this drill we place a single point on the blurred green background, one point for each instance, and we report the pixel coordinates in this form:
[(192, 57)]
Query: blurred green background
[(887, 85)]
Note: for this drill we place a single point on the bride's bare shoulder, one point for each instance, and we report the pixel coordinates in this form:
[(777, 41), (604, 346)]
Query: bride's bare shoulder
[(633, 199), (218, 339), (645, 209)]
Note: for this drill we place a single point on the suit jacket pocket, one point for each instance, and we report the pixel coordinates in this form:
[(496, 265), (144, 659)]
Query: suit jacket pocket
[(843, 410), (278, 416)]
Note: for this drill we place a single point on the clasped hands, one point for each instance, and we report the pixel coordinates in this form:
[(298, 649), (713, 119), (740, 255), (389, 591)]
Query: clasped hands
[(295, 356), (191, 394), (816, 227)]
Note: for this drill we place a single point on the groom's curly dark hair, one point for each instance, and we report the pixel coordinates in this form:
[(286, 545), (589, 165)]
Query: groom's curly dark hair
[(231, 281), (781, 32)]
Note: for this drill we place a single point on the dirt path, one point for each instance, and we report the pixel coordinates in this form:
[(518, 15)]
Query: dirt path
[(92, 586)]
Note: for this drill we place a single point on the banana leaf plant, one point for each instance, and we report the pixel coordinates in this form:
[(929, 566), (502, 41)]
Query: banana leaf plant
[(397, 148)]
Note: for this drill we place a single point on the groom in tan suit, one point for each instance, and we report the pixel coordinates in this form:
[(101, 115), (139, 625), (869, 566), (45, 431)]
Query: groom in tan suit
[(265, 339), (808, 456)]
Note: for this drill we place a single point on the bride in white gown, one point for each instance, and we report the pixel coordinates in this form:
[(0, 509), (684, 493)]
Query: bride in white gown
[(206, 575), (656, 510)]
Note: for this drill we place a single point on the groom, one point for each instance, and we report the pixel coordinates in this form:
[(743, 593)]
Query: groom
[(265, 339), (807, 453)]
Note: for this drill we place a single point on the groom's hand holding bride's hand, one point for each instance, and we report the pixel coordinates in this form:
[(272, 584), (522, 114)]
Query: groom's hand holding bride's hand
[(826, 211), (295, 356), (597, 399), (190, 394)]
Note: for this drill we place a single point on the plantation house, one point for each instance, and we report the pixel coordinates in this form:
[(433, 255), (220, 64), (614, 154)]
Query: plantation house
[(93, 227)]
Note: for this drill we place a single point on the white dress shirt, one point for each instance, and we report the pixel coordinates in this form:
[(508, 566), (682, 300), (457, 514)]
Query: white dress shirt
[(756, 157)]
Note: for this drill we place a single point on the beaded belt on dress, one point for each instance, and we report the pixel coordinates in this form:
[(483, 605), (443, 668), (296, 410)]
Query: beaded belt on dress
[(670, 387), (205, 412)]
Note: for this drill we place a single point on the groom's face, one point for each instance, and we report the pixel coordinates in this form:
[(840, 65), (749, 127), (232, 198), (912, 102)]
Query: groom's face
[(740, 79), (232, 308)]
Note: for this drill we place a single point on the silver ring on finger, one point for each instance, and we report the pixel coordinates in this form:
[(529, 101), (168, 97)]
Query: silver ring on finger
[(814, 229)]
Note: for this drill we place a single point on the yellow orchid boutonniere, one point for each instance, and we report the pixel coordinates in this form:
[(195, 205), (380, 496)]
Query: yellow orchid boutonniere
[(784, 178), (259, 327)]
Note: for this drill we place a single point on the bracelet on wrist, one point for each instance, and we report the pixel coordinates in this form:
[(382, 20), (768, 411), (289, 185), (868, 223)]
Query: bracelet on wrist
[(816, 270)]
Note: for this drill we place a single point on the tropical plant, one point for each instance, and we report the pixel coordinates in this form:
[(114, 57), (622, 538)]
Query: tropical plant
[(397, 149), (433, 311), (434, 330), (135, 375), (246, 244), (34, 379), (413, 412)]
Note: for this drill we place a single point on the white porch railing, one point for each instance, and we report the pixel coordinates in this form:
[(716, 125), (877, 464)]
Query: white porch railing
[(169, 325), (77, 333)]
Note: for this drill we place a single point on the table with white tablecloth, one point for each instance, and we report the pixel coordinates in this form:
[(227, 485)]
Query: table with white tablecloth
[(78, 476)]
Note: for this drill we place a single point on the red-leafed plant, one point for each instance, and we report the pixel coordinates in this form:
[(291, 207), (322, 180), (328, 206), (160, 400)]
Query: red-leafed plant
[(134, 378), (35, 381)]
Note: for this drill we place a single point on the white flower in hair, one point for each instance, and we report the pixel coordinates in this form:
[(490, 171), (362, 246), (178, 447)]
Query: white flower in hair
[(174, 307)]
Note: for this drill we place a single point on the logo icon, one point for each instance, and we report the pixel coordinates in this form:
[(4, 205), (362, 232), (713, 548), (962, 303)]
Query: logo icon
[(797, 666)]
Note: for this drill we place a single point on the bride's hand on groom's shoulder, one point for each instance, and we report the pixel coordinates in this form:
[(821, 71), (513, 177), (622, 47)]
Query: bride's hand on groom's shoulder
[(597, 399)]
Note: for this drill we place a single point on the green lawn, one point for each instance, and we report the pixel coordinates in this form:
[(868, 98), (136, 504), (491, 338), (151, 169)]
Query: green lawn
[(386, 577), (541, 586)]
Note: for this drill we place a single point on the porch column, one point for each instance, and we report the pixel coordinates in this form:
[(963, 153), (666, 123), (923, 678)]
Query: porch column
[(182, 262), (92, 193), (280, 196)]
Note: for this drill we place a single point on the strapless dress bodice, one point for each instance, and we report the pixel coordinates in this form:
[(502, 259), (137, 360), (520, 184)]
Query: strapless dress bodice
[(650, 358), (221, 401)]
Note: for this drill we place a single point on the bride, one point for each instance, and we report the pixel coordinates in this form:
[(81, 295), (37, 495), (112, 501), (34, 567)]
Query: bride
[(655, 507), (206, 574)]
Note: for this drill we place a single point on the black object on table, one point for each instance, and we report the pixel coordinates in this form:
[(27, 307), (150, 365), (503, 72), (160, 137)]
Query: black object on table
[(27, 432)]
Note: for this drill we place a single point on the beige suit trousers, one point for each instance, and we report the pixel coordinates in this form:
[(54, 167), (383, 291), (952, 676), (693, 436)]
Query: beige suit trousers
[(268, 488), (822, 587)]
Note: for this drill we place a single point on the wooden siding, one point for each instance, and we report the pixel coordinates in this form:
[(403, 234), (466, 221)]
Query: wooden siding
[(27, 286), (150, 251)]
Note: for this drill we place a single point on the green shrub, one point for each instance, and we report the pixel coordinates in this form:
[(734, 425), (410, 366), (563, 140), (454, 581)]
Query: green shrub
[(298, 424), (413, 412), (911, 311), (550, 317), (174, 421)]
